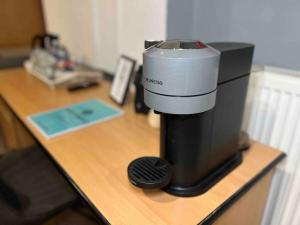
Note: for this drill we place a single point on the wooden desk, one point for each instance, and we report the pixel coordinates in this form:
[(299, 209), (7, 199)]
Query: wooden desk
[(95, 159)]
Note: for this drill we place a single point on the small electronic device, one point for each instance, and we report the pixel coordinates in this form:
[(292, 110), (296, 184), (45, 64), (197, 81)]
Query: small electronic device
[(82, 83), (199, 90)]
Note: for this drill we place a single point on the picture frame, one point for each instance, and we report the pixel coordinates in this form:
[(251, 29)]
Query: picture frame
[(121, 82)]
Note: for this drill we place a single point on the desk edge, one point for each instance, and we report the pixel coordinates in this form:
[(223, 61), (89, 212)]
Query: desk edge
[(77, 189), (212, 217)]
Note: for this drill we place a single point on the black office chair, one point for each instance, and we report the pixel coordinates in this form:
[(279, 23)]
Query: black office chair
[(31, 188)]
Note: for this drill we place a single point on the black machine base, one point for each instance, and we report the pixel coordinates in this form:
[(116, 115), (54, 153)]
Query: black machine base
[(207, 182)]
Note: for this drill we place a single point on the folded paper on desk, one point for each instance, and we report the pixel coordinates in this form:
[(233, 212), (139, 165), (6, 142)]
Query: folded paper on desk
[(73, 117)]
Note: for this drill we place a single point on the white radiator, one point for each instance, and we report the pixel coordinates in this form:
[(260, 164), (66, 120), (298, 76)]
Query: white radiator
[(272, 116)]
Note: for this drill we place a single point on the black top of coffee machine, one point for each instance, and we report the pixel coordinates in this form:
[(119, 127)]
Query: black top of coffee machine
[(199, 90)]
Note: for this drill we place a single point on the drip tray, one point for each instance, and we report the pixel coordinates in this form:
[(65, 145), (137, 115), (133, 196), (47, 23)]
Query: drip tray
[(150, 172)]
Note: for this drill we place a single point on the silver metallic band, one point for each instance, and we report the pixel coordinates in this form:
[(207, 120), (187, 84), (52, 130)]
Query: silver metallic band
[(180, 105)]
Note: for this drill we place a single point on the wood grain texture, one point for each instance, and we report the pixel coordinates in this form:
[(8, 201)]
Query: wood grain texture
[(97, 157), (14, 135), (19, 21), (249, 209)]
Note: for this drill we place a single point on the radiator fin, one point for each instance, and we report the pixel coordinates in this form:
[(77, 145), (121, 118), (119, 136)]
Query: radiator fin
[(272, 116)]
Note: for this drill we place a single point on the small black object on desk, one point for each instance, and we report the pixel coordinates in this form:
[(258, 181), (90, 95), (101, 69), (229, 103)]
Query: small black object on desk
[(82, 85), (139, 104)]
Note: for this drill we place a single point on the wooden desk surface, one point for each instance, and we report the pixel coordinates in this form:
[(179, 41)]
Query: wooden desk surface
[(96, 158)]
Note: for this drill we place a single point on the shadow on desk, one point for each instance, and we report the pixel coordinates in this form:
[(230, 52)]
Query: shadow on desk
[(74, 217)]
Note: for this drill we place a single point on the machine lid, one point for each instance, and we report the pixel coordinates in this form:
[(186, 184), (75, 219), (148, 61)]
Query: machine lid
[(235, 60), (181, 44), (150, 172)]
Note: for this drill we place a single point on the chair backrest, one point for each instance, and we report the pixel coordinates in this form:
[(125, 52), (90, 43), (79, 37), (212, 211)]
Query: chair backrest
[(9, 196)]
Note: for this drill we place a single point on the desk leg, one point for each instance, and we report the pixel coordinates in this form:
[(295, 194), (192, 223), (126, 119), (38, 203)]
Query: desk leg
[(249, 209)]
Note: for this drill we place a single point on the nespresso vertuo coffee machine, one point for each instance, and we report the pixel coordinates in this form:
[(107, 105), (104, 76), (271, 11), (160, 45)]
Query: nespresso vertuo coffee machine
[(199, 90)]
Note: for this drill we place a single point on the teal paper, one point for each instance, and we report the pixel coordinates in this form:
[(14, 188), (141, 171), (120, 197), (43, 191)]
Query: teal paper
[(73, 117)]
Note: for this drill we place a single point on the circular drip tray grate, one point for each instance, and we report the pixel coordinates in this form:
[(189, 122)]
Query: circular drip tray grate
[(150, 172)]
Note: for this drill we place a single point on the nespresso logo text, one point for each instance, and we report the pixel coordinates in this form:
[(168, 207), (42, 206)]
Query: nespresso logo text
[(158, 82)]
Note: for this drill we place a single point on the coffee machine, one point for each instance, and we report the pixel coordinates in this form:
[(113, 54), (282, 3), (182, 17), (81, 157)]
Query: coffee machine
[(199, 90)]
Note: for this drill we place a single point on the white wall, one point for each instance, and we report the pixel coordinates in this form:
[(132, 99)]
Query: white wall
[(98, 31), (88, 29), (139, 20), (74, 26), (105, 32)]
